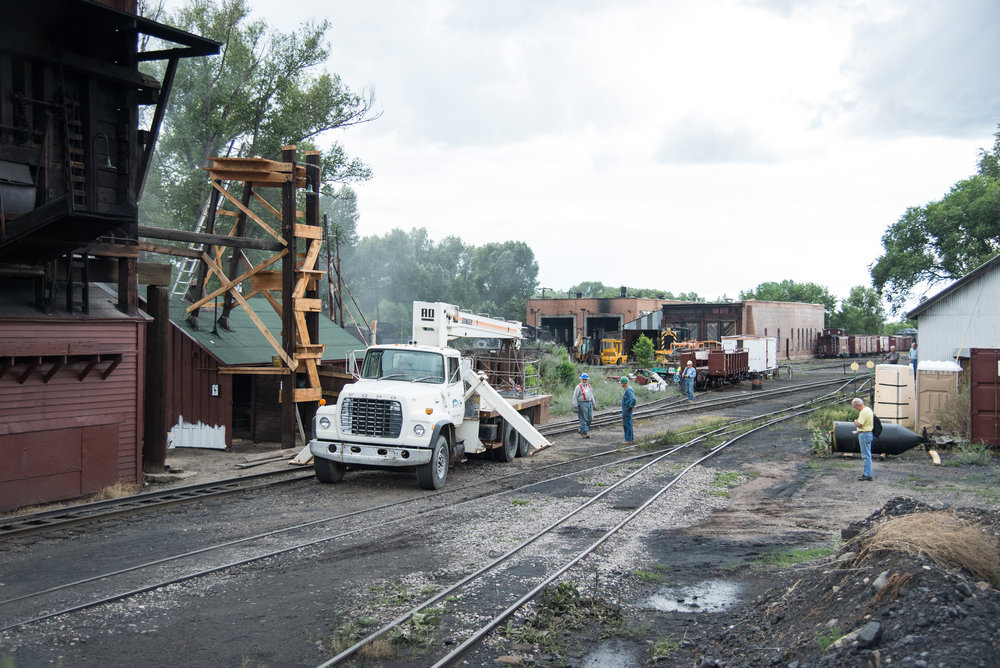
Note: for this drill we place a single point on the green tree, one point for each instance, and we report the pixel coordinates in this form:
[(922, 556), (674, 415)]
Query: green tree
[(642, 351), (262, 91), (589, 289), (861, 313), (942, 240), (791, 291)]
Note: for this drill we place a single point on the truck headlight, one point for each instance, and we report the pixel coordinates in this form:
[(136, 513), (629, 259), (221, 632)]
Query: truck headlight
[(324, 423), (418, 429)]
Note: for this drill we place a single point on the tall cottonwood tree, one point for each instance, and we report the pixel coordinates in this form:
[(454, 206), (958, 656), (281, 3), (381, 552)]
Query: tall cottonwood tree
[(942, 240), (265, 89)]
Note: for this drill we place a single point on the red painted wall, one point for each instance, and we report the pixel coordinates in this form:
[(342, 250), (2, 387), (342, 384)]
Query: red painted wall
[(67, 438)]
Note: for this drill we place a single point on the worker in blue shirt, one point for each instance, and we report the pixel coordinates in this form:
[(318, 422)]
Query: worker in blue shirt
[(628, 403), (688, 376)]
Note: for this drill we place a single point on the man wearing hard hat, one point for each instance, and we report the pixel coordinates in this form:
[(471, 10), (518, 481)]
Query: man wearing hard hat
[(688, 376), (583, 404)]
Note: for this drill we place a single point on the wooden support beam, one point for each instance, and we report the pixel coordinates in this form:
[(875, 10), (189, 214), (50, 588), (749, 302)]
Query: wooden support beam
[(208, 239), (307, 305), (250, 214), (33, 364), (303, 394), (254, 370), (115, 361), (57, 364), (253, 316), (308, 231), (227, 284), (91, 363)]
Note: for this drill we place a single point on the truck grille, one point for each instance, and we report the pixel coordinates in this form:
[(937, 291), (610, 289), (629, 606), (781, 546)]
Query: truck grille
[(371, 417)]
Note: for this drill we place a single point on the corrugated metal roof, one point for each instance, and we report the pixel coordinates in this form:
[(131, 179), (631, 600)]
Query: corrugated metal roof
[(972, 275), (246, 344)]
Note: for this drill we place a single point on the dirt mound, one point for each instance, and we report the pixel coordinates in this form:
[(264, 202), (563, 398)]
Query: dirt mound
[(916, 586)]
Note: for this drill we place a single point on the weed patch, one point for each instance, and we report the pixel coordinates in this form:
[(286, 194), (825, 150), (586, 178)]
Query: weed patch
[(562, 610), (792, 557)]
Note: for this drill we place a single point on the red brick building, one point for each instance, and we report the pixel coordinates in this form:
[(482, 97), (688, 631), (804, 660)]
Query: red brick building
[(568, 317)]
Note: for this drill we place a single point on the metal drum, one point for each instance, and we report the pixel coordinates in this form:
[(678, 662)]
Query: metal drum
[(894, 439)]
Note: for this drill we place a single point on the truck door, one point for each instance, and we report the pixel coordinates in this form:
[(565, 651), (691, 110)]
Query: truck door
[(454, 389)]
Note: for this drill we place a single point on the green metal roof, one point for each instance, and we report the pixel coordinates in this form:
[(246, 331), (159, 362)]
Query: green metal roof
[(246, 344)]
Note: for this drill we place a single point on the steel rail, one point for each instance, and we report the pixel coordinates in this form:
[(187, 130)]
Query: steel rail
[(402, 618), (310, 543), (20, 525)]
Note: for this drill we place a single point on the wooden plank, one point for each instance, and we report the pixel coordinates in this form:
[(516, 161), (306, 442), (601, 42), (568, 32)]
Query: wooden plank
[(108, 250), (308, 231), (303, 394), (253, 370), (250, 214), (267, 205), (209, 239), (22, 348), (227, 284), (266, 280), (168, 250), (307, 305)]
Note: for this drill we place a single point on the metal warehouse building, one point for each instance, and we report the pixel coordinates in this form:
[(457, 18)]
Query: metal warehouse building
[(964, 315)]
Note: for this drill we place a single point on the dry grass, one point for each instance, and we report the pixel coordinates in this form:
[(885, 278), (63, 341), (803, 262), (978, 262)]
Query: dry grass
[(942, 537), (116, 491)]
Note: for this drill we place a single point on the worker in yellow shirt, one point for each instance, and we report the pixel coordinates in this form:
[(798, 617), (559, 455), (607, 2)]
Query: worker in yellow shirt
[(864, 423)]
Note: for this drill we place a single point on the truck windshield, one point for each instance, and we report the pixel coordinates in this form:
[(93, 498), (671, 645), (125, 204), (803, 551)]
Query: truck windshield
[(405, 365)]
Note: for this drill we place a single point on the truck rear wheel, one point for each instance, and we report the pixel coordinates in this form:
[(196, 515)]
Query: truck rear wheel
[(433, 474), (328, 471), (508, 449), (523, 446)]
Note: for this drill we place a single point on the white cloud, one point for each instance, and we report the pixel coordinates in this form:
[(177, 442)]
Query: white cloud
[(685, 146)]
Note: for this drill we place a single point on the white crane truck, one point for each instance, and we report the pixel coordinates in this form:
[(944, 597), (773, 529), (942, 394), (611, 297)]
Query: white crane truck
[(421, 404)]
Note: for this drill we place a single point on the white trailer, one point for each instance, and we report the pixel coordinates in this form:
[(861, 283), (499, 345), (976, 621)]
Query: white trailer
[(422, 405), (762, 351)]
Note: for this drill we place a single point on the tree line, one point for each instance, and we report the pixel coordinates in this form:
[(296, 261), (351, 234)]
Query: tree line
[(267, 89)]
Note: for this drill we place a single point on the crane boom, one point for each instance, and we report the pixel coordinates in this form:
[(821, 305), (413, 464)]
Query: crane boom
[(437, 323)]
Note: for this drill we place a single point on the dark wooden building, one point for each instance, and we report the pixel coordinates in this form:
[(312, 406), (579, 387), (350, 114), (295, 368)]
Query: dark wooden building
[(217, 391), (78, 125)]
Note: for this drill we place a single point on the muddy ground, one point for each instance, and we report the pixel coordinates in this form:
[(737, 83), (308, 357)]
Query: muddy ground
[(697, 587), (711, 594)]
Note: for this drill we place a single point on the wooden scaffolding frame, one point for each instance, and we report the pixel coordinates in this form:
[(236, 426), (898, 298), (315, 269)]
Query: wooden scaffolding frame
[(292, 290)]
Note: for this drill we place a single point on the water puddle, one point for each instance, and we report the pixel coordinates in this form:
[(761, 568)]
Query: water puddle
[(614, 654), (708, 596)]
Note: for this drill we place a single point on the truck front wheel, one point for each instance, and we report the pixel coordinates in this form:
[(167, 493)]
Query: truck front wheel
[(433, 474), (328, 471)]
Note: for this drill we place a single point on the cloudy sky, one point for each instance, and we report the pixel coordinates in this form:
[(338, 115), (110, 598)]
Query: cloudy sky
[(687, 146)]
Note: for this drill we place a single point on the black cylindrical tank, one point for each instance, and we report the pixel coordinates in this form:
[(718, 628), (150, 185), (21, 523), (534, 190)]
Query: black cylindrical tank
[(894, 439)]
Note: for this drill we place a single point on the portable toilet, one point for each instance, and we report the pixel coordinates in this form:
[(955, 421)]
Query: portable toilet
[(895, 400), (937, 383)]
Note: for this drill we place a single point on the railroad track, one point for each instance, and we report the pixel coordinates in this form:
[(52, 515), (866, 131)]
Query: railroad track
[(557, 544), (65, 517), (61, 518), (675, 405), (58, 600)]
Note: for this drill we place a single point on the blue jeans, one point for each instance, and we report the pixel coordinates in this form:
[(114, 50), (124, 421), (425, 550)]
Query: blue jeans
[(585, 414), (865, 440), (627, 425), (689, 388)]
